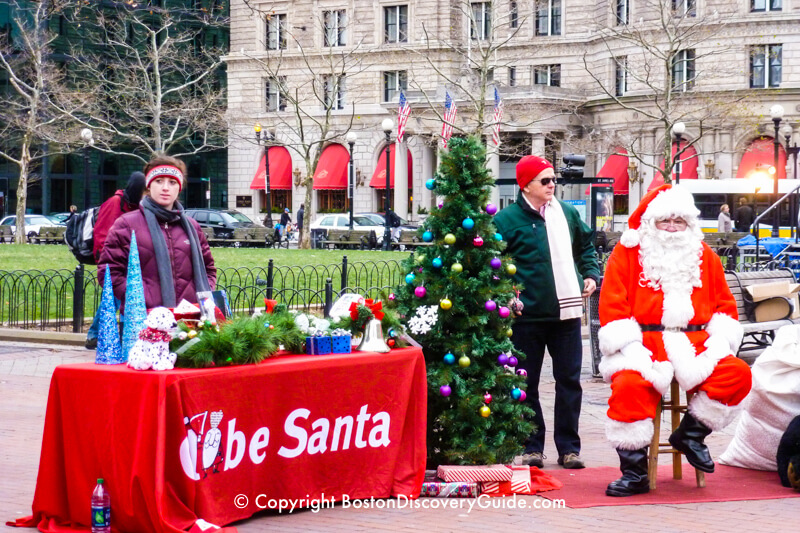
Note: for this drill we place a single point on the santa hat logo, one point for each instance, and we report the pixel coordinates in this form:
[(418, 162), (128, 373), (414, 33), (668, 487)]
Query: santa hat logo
[(664, 202)]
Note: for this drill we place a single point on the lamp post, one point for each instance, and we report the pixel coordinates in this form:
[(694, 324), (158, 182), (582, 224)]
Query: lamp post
[(351, 183), (678, 129), (776, 112), (265, 137), (88, 140), (387, 125)]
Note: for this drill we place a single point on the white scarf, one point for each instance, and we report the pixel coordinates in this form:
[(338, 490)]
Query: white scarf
[(568, 288)]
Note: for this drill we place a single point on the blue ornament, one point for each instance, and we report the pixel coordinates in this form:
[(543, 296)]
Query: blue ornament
[(135, 309), (109, 349), (516, 393), (427, 236), (430, 184), (410, 278), (437, 262), (449, 358), (498, 237), (468, 223)]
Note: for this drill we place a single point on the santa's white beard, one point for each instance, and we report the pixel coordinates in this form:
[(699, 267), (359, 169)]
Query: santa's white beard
[(671, 262)]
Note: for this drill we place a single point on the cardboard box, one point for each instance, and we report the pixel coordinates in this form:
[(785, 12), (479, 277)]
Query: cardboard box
[(774, 299), (762, 291)]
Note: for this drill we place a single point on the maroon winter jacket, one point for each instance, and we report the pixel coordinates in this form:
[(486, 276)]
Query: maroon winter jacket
[(117, 246)]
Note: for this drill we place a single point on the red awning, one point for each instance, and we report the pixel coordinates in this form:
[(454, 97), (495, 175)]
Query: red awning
[(688, 166), (616, 167), (331, 170), (280, 170), (379, 176), (761, 154)]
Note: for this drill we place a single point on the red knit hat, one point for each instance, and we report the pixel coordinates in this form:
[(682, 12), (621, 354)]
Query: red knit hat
[(529, 167), (660, 203)]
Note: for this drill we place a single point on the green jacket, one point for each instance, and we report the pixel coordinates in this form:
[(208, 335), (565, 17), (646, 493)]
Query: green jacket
[(524, 230)]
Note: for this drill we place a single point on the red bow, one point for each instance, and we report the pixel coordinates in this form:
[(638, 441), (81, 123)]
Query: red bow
[(270, 305), (375, 307)]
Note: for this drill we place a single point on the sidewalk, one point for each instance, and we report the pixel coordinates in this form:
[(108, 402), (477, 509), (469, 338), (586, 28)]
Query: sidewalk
[(25, 371)]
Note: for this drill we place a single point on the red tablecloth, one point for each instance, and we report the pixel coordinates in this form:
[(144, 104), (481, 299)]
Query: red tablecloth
[(181, 445)]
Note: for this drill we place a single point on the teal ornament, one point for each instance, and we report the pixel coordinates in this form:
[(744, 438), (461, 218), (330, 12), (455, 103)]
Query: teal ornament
[(135, 309), (498, 237), (427, 236), (516, 393), (437, 262), (467, 223), (449, 358), (109, 348), (410, 278), (430, 184)]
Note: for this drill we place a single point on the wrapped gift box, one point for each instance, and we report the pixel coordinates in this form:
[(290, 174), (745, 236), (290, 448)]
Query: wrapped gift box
[(520, 483), (318, 345), (442, 489), (341, 344), (451, 473)]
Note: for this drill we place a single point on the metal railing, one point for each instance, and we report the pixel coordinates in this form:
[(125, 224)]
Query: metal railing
[(66, 299)]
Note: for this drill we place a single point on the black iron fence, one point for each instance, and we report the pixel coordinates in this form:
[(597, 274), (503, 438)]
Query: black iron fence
[(67, 299)]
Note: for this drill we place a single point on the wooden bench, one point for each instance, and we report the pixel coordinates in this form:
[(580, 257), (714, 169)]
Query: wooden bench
[(346, 239), (757, 335), (409, 239), (6, 235), (49, 235), (213, 240)]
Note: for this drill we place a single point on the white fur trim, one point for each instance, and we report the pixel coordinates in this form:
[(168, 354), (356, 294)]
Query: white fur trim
[(674, 202), (692, 369), (728, 328), (630, 436), (629, 238), (678, 308), (714, 414), (616, 334), (636, 357)]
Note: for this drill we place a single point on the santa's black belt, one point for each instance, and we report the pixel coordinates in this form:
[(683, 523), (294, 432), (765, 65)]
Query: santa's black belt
[(660, 327)]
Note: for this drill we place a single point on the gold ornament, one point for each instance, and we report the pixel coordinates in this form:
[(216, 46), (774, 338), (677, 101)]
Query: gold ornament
[(464, 361), (509, 332), (485, 411), (445, 304), (511, 269), (457, 268), (192, 334), (449, 239)]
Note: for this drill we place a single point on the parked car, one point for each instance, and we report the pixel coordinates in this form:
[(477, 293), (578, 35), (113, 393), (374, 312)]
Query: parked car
[(32, 223), (60, 217), (380, 219), (342, 221), (223, 222)]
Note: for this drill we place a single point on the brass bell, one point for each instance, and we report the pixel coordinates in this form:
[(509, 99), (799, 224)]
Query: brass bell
[(372, 340)]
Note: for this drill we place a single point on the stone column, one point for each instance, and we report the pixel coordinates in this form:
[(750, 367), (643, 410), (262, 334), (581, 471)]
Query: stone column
[(400, 173)]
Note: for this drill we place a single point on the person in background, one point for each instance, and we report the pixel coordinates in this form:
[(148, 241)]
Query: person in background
[(73, 210), (174, 255), (557, 266), (300, 213), (724, 224), (123, 201), (744, 216)]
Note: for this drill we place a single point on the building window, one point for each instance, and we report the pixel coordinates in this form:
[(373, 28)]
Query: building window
[(276, 32), (481, 23), (395, 24), (512, 76), (335, 27), (275, 90), (686, 8), (513, 15), (331, 201), (766, 5), (620, 76), (683, 72), (394, 81), (623, 11), (765, 66), (547, 75), (548, 17), (334, 90)]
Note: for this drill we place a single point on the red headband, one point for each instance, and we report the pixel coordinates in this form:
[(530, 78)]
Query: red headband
[(168, 171)]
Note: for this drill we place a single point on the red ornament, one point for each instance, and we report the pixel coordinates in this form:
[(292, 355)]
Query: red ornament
[(390, 343), (487, 398)]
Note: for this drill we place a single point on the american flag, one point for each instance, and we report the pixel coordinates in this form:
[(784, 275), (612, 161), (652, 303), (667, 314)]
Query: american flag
[(449, 117), (498, 116), (402, 117)]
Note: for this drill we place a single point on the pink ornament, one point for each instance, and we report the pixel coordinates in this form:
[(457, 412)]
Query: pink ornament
[(513, 361), (420, 269), (502, 359), (477, 241), (392, 296), (487, 398), (522, 372), (420, 292), (491, 209), (490, 305), (445, 390), (503, 312), (496, 263), (522, 395)]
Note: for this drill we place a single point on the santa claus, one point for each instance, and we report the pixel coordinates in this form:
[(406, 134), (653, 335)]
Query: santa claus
[(666, 310)]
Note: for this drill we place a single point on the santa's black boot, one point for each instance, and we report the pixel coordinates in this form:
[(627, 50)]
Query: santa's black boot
[(688, 439), (634, 480)]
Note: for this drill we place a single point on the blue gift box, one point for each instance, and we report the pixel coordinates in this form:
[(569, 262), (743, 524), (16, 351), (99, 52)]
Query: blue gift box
[(341, 344), (318, 345)]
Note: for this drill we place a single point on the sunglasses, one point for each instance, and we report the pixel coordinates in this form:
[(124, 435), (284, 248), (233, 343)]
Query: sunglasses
[(546, 181)]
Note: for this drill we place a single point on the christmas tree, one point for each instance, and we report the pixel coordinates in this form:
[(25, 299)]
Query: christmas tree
[(135, 310), (455, 300)]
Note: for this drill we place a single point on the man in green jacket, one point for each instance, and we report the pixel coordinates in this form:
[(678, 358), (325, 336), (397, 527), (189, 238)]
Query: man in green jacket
[(557, 266)]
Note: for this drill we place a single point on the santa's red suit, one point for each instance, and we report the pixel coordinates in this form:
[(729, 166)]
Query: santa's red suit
[(651, 331)]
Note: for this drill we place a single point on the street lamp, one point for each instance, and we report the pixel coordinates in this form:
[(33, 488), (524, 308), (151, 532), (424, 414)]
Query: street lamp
[(387, 125), (776, 112), (678, 130), (351, 184), (265, 137), (88, 140)]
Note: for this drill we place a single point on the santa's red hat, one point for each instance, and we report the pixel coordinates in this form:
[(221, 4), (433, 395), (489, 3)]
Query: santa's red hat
[(664, 202)]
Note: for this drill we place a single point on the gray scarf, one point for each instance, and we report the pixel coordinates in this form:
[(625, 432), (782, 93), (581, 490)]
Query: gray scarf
[(155, 215)]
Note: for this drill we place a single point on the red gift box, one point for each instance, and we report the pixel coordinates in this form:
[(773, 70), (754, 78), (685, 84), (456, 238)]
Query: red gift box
[(442, 489), (452, 473)]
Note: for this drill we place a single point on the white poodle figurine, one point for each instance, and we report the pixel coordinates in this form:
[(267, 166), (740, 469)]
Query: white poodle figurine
[(152, 348)]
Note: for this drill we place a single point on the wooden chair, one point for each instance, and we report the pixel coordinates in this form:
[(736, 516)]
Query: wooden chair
[(673, 404)]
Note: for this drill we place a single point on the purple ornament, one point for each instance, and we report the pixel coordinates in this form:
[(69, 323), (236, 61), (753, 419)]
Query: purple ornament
[(420, 292), (477, 241), (522, 372), (445, 390), (420, 269), (491, 209), (502, 359), (522, 395), (503, 312), (490, 305), (512, 361), (496, 263), (441, 205)]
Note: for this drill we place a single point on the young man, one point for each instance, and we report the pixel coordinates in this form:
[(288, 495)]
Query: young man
[(557, 265), (666, 310)]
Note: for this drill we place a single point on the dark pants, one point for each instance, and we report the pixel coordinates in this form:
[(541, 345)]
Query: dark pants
[(563, 340)]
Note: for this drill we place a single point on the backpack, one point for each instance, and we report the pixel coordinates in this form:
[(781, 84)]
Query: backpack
[(79, 235)]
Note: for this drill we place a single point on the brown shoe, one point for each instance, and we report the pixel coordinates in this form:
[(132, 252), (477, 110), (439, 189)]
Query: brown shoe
[(571, 461), (531, 459)]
